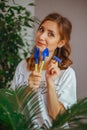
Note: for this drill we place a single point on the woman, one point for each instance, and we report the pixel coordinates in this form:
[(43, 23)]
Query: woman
[(56, 84)]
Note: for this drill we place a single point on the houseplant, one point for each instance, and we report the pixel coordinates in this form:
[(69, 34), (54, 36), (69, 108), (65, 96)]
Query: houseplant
[(15, 115), (13, 21)]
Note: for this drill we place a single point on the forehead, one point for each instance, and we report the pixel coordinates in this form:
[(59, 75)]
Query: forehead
[(50, 25)]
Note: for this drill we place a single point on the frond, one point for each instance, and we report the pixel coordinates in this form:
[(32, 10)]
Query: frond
[(18, 110), (76, 116)]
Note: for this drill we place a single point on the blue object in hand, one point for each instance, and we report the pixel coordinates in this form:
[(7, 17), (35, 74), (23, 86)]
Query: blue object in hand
[(45, 53), (36, 54), (57, 59)]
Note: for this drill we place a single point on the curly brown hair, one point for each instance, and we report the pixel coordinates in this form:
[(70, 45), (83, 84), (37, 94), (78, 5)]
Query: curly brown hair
[(65, 28)]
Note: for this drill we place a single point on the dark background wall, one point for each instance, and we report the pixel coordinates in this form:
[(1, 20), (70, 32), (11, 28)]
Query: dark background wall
[(76, 11)]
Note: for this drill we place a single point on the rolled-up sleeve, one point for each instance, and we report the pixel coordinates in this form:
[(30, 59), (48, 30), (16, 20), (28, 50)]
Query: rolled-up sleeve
[(67, 91)]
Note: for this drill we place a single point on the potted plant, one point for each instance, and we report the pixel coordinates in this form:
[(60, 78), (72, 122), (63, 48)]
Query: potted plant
[(13, 21)]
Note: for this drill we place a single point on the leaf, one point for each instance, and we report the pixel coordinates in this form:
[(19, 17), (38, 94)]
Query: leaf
[(13, 19), (7, 113), (74, 115), (31, 4), (18, 109)]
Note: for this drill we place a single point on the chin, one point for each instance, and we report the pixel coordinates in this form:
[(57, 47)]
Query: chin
[(41, 48)]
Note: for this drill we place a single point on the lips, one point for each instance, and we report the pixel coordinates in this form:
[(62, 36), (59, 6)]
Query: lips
[(40, 44)]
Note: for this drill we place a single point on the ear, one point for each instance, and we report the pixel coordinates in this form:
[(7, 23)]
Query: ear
[(61, 43)]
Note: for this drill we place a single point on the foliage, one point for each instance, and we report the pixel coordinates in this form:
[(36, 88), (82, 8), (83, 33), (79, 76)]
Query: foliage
[(76, 116), (14, 112), (19, 109), (13, 21)]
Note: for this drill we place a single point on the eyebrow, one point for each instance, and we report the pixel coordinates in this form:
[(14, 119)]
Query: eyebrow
[(48, 29), (51, 31)]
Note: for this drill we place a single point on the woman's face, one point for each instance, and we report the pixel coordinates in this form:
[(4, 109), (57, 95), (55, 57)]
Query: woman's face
[(47, 36)]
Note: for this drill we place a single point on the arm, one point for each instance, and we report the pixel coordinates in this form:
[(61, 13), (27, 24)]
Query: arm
[(67, 91), (55, 107)]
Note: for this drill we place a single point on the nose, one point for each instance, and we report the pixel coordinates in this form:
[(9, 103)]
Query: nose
[(43, 36)]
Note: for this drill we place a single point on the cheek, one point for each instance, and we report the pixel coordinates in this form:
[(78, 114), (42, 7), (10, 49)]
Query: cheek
[(52, 46), (36, 36)]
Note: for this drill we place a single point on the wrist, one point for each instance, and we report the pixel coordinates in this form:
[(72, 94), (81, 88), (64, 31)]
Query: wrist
[(50, 84)]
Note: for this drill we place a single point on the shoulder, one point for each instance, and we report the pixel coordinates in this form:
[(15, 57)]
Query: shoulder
[(68, 71), (20, 74), (68, 74), (22, 64)]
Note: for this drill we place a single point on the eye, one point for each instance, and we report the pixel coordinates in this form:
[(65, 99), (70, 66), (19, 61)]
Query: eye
[(51, 34), (41, 29)]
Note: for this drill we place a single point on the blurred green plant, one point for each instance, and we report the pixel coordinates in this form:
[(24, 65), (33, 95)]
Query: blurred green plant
[(19, 109), (76, 116), (14, 19)]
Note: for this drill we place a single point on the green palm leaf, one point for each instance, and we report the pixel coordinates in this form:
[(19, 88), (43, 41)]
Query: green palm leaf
[(19, 109), (14, 111), (76, 116), (10, 117)]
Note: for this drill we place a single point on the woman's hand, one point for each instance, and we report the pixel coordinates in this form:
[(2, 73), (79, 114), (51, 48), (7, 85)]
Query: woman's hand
[(34, 80), (52, 71)]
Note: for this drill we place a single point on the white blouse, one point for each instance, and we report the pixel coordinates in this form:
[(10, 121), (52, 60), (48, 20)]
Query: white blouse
[(65, 85)]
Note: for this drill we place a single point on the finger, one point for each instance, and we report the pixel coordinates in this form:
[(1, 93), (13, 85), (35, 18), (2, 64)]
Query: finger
[(37, 79), (54, 62), (51, 67), (36, 74), (36, 83), (52, 71)]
